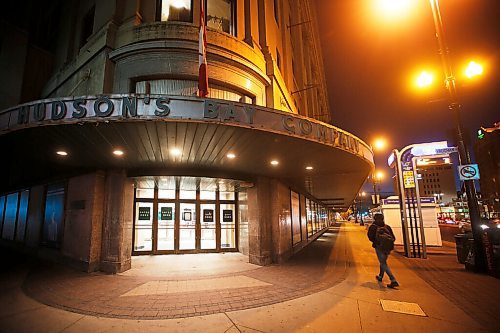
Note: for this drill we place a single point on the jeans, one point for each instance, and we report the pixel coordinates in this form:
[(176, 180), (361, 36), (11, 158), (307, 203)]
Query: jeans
[(384, 268)]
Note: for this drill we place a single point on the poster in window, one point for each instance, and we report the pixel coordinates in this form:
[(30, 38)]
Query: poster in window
[(54, 214), (144, 213), (166, 214), (208, 215), (187, 216), (227, 215)]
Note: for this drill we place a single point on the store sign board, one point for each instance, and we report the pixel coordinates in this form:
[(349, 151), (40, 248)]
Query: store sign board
[(423, 200), (447, 150), (131, 107)]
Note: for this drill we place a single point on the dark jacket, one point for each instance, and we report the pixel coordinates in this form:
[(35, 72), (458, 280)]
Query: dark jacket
[(372, 231)]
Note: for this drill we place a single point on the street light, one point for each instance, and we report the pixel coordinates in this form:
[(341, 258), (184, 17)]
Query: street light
[(454, 106), (473, 69), (424, 79), (463, 152)]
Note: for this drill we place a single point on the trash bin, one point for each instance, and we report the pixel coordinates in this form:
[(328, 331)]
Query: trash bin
[(491, 243), (463, 246)]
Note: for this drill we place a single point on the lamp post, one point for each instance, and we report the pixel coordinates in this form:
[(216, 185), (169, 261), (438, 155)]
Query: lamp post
[(362, 195), (463, 152), (376, 179), (378, 144)]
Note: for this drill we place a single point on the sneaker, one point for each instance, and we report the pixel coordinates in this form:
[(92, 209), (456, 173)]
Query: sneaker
[(379, 279), (393, 285)]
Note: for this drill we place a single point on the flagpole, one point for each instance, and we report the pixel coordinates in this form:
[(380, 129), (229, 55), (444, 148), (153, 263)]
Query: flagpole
[(202, 54)]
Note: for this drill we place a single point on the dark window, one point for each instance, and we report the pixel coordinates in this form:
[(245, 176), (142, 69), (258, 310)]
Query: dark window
[(174, 10), (10, 216), (22, 215), (87, 26), (2, 211), (54, 216), (221, 15)]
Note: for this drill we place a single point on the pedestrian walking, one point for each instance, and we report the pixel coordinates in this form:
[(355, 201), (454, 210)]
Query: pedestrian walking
[(382, 238)]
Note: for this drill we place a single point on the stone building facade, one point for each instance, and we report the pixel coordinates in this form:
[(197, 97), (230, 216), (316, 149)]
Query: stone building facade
[(109, 153)]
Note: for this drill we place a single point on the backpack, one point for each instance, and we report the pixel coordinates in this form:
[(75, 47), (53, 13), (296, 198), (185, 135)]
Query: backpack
[(384, 239)]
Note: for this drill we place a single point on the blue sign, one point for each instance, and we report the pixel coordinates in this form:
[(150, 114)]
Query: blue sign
[(468, 172)]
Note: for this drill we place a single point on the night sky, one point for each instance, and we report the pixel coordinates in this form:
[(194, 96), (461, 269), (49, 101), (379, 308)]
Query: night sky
[(369, 63)]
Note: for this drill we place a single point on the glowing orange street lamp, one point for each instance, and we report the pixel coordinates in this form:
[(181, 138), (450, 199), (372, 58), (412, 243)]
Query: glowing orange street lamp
[(473, 69), (379, 143), (425, 79)]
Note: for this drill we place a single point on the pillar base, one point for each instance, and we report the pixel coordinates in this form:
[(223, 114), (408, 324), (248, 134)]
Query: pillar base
[(114, 267)]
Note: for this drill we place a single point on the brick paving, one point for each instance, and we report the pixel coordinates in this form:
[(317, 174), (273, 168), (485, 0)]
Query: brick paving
[(314, 269), (324, 264)]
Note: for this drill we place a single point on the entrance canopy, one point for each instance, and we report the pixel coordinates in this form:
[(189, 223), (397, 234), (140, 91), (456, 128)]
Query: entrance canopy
[(162, 135)]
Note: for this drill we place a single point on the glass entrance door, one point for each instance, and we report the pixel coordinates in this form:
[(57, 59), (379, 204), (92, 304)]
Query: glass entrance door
[(187, 226), (166, 226), (208, 227), (184, 214), (143, 230)]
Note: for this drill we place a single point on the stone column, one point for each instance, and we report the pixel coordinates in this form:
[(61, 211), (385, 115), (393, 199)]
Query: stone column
[(83, 222), (116, 248), (259, 222), (281, 222)]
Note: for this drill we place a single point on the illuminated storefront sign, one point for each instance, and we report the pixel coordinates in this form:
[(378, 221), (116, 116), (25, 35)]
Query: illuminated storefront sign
[(146, 107)]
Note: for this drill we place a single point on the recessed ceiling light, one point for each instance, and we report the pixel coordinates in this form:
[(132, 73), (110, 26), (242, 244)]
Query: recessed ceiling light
[(274, 162), (230, 155), (175, 152), (309, 167), (118, 152), (62, 153)]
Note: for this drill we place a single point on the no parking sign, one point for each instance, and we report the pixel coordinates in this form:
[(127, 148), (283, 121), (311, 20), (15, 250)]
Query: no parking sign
[(468, 172)]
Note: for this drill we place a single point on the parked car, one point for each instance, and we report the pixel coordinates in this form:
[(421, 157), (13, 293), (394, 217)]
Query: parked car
[(446, 220)]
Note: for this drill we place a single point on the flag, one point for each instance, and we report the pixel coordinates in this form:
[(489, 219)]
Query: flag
[(202, 54)]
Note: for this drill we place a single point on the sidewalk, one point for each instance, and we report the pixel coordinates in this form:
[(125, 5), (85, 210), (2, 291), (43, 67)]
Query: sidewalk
[(328, 287)]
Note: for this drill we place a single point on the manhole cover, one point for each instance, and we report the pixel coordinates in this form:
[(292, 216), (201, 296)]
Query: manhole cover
[(402, 307)]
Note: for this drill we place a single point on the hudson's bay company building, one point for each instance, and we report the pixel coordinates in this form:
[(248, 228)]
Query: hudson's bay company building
[(108, 153)]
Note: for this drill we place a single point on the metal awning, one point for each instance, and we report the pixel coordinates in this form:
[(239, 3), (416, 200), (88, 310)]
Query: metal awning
[(29, 154)]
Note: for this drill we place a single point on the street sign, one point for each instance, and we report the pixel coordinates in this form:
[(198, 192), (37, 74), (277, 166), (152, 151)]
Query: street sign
[(408, 179), (447, 150), (468, 172)]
